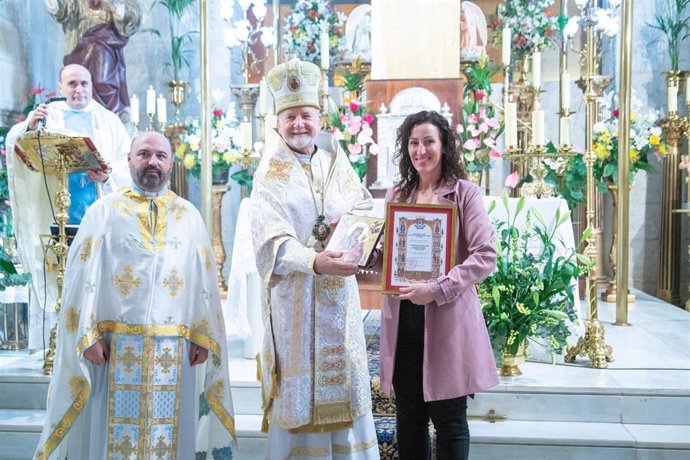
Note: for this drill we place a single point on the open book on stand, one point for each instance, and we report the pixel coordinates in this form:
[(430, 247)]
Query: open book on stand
[(78, 151)]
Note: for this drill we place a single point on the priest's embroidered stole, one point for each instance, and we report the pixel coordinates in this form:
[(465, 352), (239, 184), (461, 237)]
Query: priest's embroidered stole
[(144, 398)]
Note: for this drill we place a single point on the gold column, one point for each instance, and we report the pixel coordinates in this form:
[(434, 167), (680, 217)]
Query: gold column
[(623, 217), (674, 128), (218, 246), (206, 161), (593, 343)]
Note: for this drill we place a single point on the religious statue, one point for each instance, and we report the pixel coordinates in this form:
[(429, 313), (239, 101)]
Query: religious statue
[(358, 34), (473, 31), (96, 32)]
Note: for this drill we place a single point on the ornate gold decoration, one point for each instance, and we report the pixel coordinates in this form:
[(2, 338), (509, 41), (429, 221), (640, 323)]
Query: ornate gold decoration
[(161, 449), (279, 170), (609, 295), (129, 359), (511, 362), (87, 248), (178, 92), (174, 283), (205, 254), (215, 397), (332, 284), (592, 344), (165, 360), (126, 448), (126, 281), (218, 246), (71, 320)]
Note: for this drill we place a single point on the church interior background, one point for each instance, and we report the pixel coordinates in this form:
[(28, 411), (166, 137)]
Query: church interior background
[(541, 99)]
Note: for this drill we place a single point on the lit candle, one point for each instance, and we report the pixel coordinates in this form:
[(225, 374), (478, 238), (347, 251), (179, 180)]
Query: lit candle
[(687, 98), (538, 127), (162, 112), (672, 99), (246, 135), (150, 100), (263, 96), (134, 109), (505, 41), (565, 91), (536, 69), (565, 131), (511, 124), (325, 59)]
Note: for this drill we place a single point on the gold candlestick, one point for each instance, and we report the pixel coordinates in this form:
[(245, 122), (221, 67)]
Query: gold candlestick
[(593, 343), (218, 246), (324, 96), (674, 128), (538, 187), (609, 295), (178, 90), (178, 178), (150, 127)]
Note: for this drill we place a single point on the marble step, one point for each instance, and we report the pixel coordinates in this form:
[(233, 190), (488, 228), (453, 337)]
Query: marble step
[(516, 440)]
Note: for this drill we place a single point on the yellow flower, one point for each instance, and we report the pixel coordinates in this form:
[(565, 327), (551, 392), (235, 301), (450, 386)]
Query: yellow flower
[(522, 309), (601, 151), (654, 139), (228, 157), (606, 137), (634, 155), (189, 161), (181, 150), (662, 149), (632, 116)]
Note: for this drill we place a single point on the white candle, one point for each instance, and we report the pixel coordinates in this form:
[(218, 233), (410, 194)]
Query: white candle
[(325, 59), (565, 131), (150, 100), (538, 127), (565, 91), (536, 69), (511, 124), (505, 42), (263, 96), (162, 111), (246, 135), (672, 99), (134, 109), (687, 98)]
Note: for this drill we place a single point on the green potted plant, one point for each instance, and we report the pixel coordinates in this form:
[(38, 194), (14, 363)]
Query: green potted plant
[(529, 294), (179, 42), (673, 20)]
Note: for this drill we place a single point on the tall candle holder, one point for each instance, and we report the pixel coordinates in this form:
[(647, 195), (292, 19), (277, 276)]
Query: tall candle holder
[(150, 126), (247, 95), (674, 128), (593, 343), (219, 191), (324, 97), (178, 95)]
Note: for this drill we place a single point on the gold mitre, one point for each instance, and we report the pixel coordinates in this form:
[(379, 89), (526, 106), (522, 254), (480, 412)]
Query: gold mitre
[(294, 84)]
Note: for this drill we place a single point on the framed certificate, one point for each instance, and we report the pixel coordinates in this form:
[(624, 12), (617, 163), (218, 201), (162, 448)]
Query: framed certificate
[(419, 244), (356, 237)]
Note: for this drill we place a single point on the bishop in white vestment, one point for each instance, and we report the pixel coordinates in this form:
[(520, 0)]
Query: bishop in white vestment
[(141, 368)]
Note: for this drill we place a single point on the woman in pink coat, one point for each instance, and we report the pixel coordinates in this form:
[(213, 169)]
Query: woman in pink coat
[(435, 348)]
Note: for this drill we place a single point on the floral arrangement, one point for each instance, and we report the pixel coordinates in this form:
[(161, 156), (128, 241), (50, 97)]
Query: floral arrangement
[(480, 125), (645, 139), (528, 295), (244, 34), (303, 29), (225, 141), (351, 126), (533, 23)]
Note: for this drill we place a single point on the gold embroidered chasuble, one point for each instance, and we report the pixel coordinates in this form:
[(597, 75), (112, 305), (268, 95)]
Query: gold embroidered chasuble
[(313, 361), (141, 275)]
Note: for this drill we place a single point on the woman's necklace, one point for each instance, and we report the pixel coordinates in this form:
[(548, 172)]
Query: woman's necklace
[(320, 230)]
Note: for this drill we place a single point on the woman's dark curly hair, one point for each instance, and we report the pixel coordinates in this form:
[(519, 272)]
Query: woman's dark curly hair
[(451, 167)]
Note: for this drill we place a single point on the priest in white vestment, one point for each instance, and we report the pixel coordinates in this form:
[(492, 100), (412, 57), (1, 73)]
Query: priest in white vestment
[(141, 369), (315, 381), (78, 114)]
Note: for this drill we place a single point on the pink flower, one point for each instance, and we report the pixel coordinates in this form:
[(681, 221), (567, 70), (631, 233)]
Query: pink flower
[(490, 142), (368, 118), (492, 122), (7, 202), (479, 95), (471, 144), (355, 124), (374, 149), (494, 154), (484, 128), (512, 180), (50, 94), (482, 112), (354, 106), (37, 91), (338, 134), (355, 149), (218, 113), (472, 118), (459, 128)]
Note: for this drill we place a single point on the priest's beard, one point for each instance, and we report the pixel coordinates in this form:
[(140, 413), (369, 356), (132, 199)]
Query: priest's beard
[(151, 179), (301, 143)]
